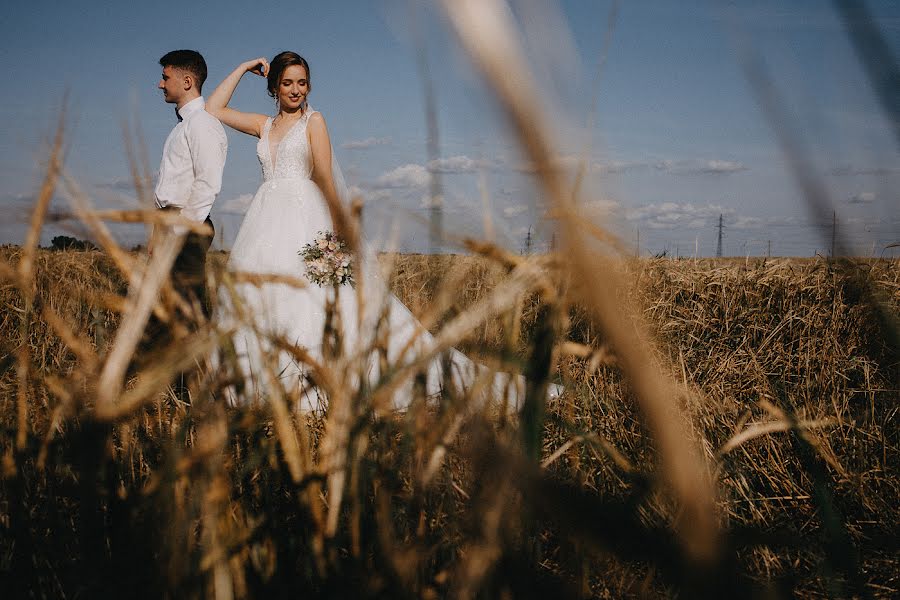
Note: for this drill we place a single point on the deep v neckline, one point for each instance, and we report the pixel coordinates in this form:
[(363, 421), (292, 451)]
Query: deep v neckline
[(273, 156)]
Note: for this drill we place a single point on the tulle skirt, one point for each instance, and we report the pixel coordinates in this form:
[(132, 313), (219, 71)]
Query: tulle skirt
[(285, 215)]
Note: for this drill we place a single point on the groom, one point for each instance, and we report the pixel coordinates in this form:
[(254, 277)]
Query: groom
[(190, 176)]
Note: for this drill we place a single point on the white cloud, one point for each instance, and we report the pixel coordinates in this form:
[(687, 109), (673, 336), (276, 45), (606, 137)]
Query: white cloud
[(570, 162), (366, 143), (458, 164), (668, 215), (601, 206), (862, 198), (745, 222), (700, 167), (785, 222), (431, 202), (846, 170), (671, 215), (370, 195), (416, 176), (237, 205), (722, 166), (618, 166), (406, 176), (515, 210)]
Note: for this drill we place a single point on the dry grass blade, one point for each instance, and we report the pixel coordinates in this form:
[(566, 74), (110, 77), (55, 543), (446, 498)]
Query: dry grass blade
[(435, 187), (154, 217), (610, 451), (495, 253), (805, 434), (8, 273), (334, 446), (84, 211), (439, 452), (259, 279), (876, 56), (58, 389), (595, 356), (798, 157), (487, 31), (42, 203), (152, 381), (26, 274), (560, 451), (523, 279), (756, 430), (481, 555), (22, 369), (595, 98), (284, 428), (76, 344), (324, 378), (140, 169), (141, 299)]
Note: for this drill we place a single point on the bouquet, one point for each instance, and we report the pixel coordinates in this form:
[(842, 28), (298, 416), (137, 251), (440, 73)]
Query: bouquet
[(328, 263)]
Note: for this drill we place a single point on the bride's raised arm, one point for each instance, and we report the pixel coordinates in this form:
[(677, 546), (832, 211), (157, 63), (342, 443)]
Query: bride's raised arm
[(322, 175), (217, 103)]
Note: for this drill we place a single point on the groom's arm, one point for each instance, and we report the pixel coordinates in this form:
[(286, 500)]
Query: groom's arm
[(208, 146)]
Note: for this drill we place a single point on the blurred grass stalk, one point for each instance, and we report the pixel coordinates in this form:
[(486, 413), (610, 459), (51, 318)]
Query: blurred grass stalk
[(486, 30)]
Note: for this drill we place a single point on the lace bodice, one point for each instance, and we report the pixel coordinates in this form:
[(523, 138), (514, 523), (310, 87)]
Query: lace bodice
[(291, 158)]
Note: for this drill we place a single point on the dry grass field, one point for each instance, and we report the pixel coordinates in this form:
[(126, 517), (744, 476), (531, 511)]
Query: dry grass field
[(728, 428), (779, 371)]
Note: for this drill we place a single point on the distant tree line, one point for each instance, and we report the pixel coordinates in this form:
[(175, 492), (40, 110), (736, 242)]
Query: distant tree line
[(64, 242)]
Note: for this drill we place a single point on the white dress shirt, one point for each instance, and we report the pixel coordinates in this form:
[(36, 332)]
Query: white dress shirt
[(193, 158)]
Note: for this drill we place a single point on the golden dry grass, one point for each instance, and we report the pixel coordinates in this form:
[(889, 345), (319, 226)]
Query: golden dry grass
[(728, 429), (770, 357)]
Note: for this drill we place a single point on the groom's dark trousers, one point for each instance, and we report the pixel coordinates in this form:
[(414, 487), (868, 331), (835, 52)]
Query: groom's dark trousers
[(189, 269), (189, 282)]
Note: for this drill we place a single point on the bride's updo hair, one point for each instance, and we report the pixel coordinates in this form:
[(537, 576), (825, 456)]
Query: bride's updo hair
[(282, 61)]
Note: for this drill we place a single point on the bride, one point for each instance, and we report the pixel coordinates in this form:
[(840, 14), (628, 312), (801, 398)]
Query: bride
[(301, 195)]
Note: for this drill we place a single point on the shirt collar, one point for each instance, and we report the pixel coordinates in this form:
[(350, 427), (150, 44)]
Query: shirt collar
[(189, 108)]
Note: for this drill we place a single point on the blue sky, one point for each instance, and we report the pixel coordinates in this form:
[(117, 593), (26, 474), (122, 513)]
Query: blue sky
[(678, 140)]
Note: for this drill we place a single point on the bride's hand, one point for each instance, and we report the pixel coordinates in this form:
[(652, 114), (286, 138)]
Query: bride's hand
[(258, 66)]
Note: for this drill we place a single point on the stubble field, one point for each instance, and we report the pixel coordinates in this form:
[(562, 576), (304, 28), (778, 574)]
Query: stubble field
[(779, 371)]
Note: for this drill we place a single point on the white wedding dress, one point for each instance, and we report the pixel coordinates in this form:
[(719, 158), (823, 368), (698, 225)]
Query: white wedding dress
[(287, 212)]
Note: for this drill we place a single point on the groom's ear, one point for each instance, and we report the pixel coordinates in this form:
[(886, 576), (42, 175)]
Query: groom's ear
[(188, 80)]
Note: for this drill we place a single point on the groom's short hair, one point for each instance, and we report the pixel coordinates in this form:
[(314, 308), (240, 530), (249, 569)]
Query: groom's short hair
[(188, 60)]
